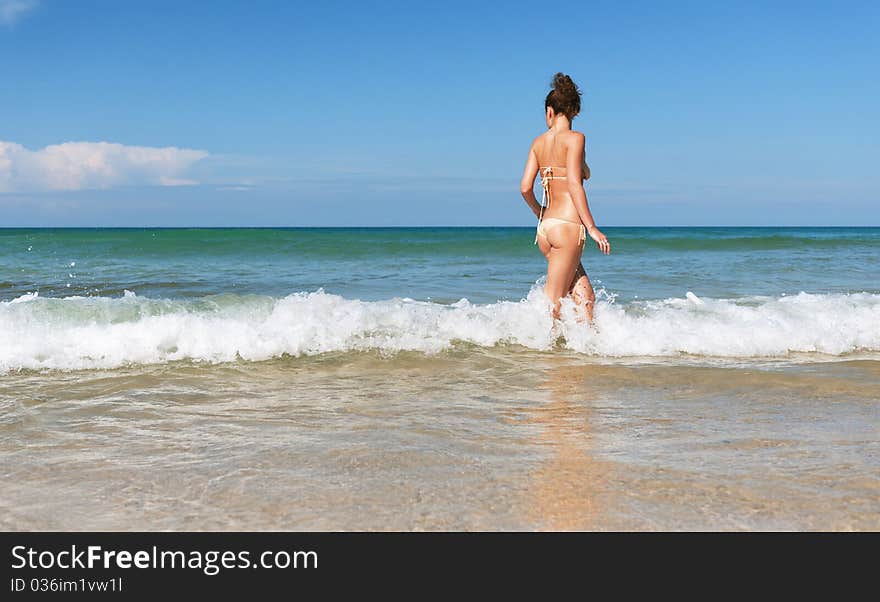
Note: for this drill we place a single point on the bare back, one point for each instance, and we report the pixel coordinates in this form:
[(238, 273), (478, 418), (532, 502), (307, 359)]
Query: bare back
[(551, 150)]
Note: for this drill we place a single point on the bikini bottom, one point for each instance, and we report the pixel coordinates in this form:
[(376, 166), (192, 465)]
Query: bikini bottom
[(548, 223)]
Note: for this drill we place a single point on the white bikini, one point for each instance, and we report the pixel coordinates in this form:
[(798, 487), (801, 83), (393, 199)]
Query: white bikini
[(544, 224)]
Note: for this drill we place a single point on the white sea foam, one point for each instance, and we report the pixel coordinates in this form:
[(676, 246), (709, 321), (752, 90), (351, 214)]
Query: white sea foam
[(100, 332)]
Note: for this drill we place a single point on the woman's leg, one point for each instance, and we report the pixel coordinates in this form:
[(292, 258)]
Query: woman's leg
[(563, 258), (582, 292)]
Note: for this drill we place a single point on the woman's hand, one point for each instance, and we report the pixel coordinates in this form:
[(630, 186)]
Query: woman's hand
[(601, 239)]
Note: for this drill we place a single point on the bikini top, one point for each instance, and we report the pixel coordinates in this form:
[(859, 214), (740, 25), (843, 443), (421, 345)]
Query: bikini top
[(547, 174)]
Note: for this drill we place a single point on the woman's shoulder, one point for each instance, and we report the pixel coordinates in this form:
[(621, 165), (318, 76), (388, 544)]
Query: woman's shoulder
[(569, 138), (565, 136), (575, 136), (539, 139)]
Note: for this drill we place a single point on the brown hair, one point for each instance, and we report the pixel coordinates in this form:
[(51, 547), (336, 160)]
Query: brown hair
[(565, 97)]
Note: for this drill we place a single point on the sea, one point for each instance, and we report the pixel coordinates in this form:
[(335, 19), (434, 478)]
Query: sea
[(413, 379)]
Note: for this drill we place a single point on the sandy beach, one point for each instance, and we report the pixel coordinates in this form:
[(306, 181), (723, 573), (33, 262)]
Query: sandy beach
[(466, 441)]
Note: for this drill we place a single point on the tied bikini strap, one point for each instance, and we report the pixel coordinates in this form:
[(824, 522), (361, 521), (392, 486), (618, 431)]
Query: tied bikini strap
[(546, 176)]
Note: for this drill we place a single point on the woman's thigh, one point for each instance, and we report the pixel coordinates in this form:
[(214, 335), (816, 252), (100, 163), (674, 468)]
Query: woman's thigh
[(563, 258)]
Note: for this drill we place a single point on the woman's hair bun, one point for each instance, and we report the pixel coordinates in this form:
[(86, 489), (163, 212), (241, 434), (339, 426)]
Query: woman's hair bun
[(565, 97)]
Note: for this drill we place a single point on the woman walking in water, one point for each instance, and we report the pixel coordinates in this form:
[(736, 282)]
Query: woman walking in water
[(564, 218)]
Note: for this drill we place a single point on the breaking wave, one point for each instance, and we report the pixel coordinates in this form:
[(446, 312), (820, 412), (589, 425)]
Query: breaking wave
[(102, 332)]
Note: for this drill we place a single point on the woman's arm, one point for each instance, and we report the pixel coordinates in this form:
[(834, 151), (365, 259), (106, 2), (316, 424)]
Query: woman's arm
[(527, 186), (574, 162), (574, 165)]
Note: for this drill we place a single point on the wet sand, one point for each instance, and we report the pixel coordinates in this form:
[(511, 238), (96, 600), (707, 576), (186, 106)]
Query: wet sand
[(471, 439)]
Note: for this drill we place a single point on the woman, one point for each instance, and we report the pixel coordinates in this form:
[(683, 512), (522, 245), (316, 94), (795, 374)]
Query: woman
[(565, 221)]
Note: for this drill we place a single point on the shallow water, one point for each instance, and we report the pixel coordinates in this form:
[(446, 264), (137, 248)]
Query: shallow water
[(462, 440), (224, 392)]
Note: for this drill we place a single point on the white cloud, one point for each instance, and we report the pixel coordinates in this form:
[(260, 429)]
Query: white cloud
[(83, 165), (12, 10)]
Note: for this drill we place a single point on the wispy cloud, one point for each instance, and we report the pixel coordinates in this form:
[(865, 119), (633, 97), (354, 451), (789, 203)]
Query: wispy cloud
[(13, 10), (87, 165)]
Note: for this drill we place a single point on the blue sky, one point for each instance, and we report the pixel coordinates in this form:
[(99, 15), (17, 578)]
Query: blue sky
[(399, 113)]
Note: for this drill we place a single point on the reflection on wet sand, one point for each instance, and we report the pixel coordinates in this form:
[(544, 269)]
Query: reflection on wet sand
[(465, 441), (569, 490)]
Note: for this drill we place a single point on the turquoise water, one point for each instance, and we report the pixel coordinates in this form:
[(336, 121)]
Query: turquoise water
[(105, 298), (439, 264)]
